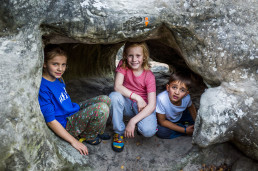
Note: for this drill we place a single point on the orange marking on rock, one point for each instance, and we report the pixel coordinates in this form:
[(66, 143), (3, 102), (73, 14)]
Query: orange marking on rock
[(146, 21)]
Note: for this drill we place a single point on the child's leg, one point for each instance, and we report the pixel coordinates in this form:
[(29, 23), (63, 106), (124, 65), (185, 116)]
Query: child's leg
[(94, 100), (147, 126), (119, 104), (89, 122), (187, 117), (166, 133)]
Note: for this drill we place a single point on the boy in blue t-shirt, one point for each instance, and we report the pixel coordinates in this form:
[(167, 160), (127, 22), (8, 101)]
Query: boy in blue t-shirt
[(173, 118)]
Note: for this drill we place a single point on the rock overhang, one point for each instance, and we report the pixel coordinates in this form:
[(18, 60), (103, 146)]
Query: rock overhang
[(208, 46)]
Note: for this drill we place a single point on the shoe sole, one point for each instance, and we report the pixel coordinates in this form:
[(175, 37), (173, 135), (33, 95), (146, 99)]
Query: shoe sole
[(94, 143), (117, 149)]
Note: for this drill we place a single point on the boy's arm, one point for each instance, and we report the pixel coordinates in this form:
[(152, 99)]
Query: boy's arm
[(192, 111), (166, 123), (61, 132)]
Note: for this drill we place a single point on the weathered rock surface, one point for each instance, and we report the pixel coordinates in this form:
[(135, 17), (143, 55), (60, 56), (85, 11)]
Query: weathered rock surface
[(156, 154), (215, 39)]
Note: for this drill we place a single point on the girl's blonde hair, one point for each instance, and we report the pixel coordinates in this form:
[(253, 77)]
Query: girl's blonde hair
[(52, 51), (145, 50)]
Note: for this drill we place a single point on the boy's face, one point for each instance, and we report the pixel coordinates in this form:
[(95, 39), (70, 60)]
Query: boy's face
[(176, 91)]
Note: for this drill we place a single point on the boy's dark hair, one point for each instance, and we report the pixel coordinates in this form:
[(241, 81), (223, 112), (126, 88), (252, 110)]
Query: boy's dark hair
[(182, 76)]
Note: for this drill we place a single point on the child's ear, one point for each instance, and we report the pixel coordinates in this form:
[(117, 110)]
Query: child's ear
[(187, 92), (167, 87), (44, 65)]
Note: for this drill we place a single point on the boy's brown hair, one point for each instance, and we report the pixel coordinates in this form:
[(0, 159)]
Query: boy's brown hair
[(145, 50), (182, 76)]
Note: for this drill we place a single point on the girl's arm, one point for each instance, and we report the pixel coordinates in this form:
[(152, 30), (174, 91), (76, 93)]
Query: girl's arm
[(146, 111), (119, 85), (60, 131), (166, 123), (119, 79), (192, 111)]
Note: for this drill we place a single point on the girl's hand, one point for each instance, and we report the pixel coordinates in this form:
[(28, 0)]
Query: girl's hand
[(189, 130), (80, 147), (141, 104), (129, 130)]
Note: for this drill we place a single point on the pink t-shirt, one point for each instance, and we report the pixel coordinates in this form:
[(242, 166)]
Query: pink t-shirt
[(141, 85)]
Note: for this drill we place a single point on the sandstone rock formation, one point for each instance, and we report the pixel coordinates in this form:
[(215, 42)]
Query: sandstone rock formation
[(217, 40)]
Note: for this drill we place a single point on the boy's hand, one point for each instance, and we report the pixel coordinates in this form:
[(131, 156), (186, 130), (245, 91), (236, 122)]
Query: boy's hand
[(80, 147), (141, 104), (189, 130), (129, 130)]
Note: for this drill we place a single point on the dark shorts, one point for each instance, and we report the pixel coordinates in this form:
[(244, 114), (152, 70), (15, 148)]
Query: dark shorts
[(166, 133)]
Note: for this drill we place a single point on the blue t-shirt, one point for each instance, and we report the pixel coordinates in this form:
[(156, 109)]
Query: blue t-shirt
[(55, 103), (173, 113)]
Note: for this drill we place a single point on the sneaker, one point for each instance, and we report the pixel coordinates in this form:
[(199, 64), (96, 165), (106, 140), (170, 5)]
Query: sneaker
[(118, 142), (104, 136), (96, 141)]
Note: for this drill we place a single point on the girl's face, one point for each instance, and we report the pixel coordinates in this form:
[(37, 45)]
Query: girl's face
[(135, 58), (54, 68), (176, 91)]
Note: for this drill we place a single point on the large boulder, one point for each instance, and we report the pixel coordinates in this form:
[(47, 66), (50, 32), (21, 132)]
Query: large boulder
[(216, 40)]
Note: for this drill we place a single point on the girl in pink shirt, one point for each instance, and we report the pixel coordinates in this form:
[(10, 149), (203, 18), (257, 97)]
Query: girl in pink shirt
[(134, 96)]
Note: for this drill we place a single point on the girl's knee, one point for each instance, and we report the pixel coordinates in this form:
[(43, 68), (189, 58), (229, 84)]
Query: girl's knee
[(148, 131), (115, 96), (105, 99), (102, 110), (104, 107)]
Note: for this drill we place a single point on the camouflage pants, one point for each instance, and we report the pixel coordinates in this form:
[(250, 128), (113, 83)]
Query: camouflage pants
[(91, 119)]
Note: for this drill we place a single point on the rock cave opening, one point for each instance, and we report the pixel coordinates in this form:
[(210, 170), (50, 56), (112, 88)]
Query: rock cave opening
[(91, 72), (91, 66)]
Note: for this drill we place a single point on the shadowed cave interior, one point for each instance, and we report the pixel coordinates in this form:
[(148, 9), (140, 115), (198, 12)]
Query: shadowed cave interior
[(91, 68)]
